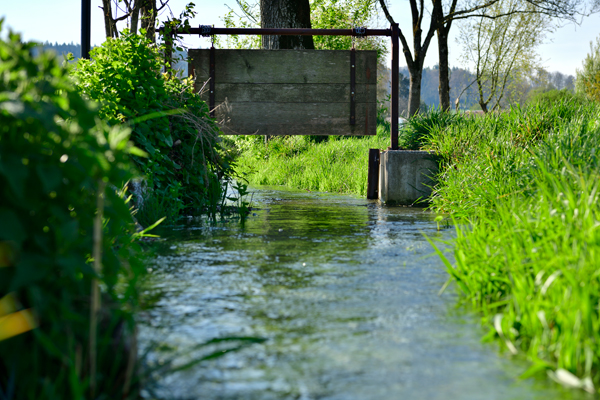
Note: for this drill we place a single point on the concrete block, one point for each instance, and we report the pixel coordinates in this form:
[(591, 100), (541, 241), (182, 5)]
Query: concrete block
[(406, 177)]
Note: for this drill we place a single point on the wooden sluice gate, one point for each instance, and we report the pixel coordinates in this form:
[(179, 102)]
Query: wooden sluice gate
[(310, 92), (289, 92)]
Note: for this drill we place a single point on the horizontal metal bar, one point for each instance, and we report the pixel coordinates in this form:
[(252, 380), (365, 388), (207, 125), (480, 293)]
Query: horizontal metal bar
[(285, 31)]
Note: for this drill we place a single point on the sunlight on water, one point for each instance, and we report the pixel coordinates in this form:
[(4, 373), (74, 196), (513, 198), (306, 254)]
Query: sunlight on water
[(344, 291)]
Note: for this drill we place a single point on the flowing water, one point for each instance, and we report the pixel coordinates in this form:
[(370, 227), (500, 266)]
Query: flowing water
[(344, 291)]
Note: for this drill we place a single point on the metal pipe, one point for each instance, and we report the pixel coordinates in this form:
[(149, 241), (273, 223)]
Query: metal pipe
[(208, 31), (395, 92), (86, 11)]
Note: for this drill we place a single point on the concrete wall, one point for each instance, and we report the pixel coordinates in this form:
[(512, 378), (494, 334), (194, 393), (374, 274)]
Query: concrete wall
[(406, 177)]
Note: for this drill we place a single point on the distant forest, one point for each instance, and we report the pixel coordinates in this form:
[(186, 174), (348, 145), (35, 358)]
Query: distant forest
[(462, 78), (62, 49), (459, 80)]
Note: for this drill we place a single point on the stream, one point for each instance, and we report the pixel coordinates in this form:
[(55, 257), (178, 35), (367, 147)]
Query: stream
[(344, 291)]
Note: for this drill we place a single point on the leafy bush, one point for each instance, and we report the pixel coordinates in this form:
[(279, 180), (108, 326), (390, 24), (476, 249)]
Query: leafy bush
[(169, 121), (56, 158)]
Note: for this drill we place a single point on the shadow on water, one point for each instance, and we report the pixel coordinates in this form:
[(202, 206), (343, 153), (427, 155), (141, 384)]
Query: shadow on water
[(344, 291)]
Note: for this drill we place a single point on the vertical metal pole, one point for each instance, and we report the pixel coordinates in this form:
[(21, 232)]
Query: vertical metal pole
[(86, 11), (352, 87), (373, 175), (395, 92), (211, 85)]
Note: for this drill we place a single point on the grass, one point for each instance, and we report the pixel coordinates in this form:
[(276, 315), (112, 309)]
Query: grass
[(523, 188), (336, 165)]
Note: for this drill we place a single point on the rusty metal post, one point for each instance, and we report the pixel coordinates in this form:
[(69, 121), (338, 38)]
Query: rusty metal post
[(373, 175), (352, 87), (211, 84), (395, 90)]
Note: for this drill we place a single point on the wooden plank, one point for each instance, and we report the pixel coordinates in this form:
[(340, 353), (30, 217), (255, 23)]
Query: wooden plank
[(250, 118), (284, 66), (373, 175), (290, 93)]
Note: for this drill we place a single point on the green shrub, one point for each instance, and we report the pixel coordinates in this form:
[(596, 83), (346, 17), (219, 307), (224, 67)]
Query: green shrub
[(54, 157), (169, 121)]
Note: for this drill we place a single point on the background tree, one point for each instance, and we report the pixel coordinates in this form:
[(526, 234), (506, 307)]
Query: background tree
[(339, 14), (324, 14), (564, 10), (416, 58), (588, 77), (131, 11), (501, 47), (285, 14)]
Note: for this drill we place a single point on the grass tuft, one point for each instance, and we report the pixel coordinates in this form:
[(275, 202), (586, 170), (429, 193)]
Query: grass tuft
[(523, 190)]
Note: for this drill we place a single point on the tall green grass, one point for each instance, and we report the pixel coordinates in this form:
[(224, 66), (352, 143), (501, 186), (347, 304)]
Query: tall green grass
[(523, 188), (336, 165)]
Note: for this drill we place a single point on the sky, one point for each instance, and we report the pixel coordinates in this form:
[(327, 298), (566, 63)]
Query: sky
[(60, 21)]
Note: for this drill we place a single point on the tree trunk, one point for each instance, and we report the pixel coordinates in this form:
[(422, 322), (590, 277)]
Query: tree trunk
[(444, 88), (148, 10), (285, 14), (108, 20), (414, 96), (135, 15)]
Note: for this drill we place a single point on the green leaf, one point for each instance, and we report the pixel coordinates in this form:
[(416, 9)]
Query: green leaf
[(30, 269), (11, 228), (50, 176), (15, 172), (169, 141), (136, 151)]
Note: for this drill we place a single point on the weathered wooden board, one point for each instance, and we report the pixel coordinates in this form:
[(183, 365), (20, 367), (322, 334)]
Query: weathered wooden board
[(290, 92), (285, 66), (295, 118)]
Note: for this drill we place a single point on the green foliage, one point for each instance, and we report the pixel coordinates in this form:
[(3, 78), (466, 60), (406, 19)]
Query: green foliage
[(337, 165), (588, 77), (522, 188), (415, 133), (169, 121), (324, 14), (54, 153), (551, 96), (345, 14), (502, 50), (248, 16)]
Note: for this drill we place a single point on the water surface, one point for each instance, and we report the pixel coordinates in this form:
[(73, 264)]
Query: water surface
[(344, 291)]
